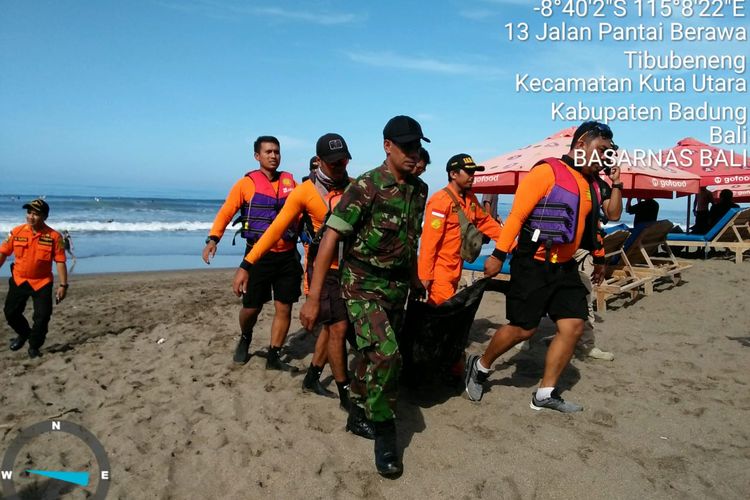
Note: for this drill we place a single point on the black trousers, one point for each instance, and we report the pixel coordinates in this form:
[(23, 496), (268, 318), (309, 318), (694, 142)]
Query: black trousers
[(15, 303)]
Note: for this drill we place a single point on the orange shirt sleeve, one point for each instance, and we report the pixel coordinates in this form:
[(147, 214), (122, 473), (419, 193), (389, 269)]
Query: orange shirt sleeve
[(294, 206), (437, 211), (58, 247), (6, 247), (532, 188), (242, 191)]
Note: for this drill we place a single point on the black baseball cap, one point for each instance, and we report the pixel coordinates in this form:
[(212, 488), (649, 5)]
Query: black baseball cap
[(332, 148), (403, 129), (464, 161), (38, 205)]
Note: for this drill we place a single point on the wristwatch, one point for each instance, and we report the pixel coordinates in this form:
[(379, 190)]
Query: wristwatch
[(66, 285), (212, 238), (617, 185)]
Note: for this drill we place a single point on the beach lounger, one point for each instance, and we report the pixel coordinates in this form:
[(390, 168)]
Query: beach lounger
[(621, 278), (731, 231), (643, 254)]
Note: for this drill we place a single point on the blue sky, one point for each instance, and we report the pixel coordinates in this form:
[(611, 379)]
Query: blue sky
[(165, 97)]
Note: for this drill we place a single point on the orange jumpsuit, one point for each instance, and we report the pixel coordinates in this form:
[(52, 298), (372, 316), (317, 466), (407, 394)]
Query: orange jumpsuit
[(440, 247)]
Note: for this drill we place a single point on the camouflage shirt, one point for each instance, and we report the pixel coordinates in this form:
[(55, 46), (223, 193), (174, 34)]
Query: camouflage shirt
[(383, 221)]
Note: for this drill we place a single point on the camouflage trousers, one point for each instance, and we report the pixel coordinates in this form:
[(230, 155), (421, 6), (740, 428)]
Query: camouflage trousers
[(377, 364)]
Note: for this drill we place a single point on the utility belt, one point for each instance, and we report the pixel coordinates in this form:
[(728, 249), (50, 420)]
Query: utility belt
[(569, 265), (399, 274)]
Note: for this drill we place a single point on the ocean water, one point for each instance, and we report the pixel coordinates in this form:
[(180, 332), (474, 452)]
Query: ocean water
[(122, 234), (116, 234)]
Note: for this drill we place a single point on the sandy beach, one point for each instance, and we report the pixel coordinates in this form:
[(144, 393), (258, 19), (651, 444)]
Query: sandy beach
[(668, 418)]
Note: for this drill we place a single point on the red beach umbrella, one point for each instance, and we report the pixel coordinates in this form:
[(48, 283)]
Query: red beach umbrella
[(715, 166)]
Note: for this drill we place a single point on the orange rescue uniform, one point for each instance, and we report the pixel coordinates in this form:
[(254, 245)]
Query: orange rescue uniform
[(242, 192), (34, 254), (535, 186), (440, 247)]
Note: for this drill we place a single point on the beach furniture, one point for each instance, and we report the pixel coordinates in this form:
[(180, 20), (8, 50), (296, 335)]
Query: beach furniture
[(731, 231), (621, 277), (644, 258)]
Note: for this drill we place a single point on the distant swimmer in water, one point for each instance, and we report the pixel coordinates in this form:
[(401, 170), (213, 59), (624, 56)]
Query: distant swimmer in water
[(68, 243), (97, 199)]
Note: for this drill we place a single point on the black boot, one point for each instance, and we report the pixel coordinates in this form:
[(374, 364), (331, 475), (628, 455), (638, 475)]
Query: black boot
[(344, 402), (34, 352), (17, 343), (312, 382), (386, 452), (241, 354), (273, 361), (358, 424)]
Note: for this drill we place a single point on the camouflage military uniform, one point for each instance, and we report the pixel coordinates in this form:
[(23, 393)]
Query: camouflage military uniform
[(381, 220)]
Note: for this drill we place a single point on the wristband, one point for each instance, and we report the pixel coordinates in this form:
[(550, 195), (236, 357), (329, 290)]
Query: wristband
[(499, 254), (617, 185), (212, 238), (246, 265), (64, 286)]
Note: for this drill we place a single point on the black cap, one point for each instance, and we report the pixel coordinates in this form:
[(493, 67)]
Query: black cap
[(464, 161), (403, 129), (38, 205), (332, 148)]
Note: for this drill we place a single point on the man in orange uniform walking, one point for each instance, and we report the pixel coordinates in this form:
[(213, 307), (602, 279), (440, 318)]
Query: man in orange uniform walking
[(440, 262), (35, 246), (555, 212), (259, 196), (316, 196)]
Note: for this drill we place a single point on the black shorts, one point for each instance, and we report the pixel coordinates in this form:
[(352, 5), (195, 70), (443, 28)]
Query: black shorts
[(280, 272), (332, 304), (537, 288)]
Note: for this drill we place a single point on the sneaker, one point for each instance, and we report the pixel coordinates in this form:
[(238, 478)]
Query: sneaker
[(241, 354), (473, 379), (597, 353), (554, 402)]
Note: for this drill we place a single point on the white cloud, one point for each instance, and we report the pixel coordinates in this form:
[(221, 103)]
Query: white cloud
[(429, 65)]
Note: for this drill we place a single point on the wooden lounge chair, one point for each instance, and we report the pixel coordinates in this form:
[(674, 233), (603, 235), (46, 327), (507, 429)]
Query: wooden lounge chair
[(620, 278), (731, 231), (643, 257)]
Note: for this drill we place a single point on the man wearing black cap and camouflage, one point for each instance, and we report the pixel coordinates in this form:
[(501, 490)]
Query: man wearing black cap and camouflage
[(35, 246), (380, 216)]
